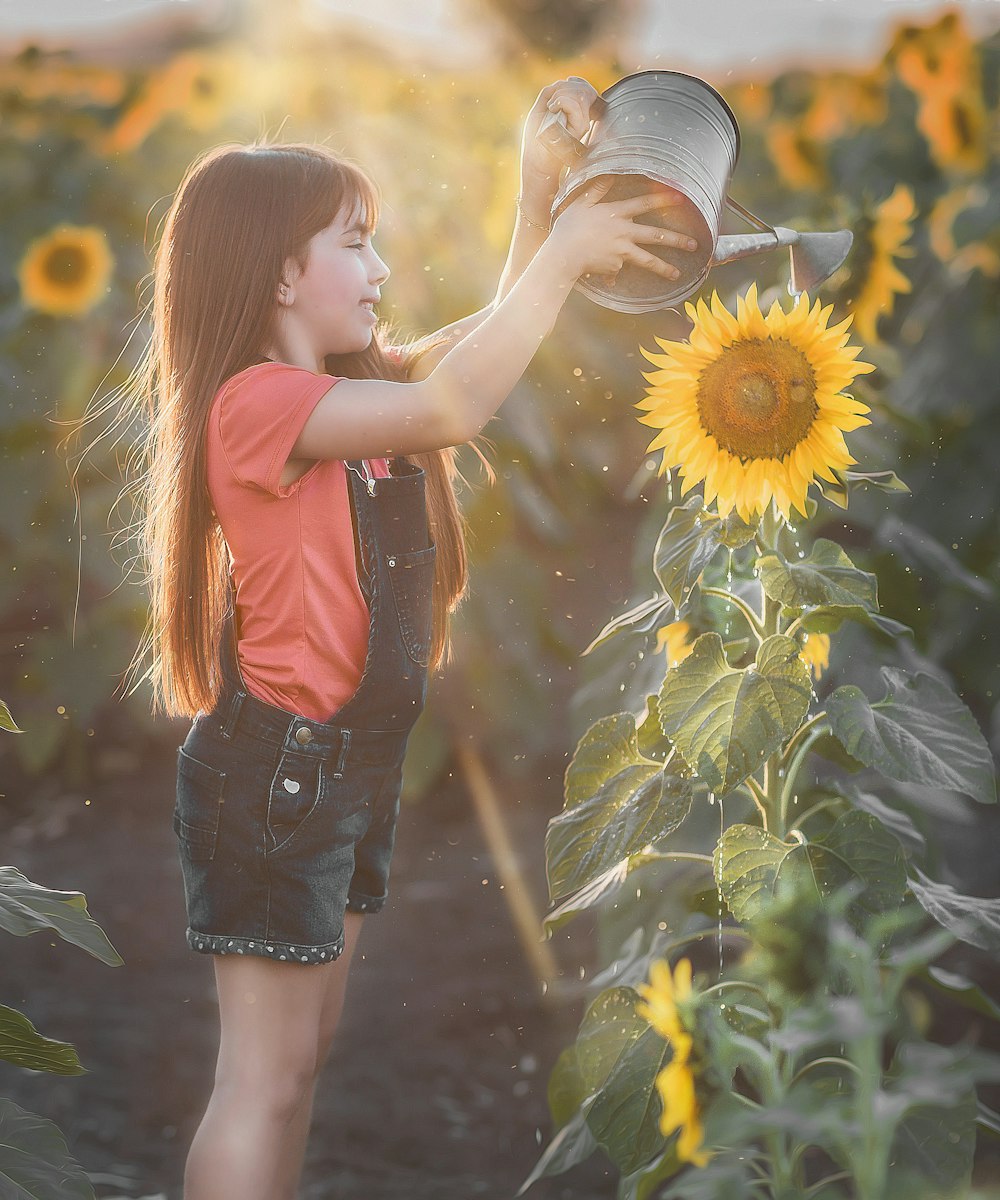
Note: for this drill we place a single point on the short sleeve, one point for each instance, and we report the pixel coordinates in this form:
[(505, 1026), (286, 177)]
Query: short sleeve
[(261, 414)]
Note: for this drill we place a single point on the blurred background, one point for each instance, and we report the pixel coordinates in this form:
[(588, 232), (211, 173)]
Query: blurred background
[(873, 115)]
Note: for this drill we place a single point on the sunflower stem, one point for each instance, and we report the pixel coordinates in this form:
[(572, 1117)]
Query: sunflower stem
[(752, 619)]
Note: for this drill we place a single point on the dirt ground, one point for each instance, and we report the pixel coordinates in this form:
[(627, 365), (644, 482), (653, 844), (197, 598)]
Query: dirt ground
[(436, 1086)]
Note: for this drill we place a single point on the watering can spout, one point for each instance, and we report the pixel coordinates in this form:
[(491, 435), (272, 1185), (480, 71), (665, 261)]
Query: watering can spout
[(814, 256)]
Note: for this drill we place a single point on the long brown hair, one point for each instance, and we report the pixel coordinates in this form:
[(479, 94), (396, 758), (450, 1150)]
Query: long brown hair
[(240, 212)]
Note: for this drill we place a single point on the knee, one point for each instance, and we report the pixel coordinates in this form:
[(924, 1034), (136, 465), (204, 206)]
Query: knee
[(279, 1092)]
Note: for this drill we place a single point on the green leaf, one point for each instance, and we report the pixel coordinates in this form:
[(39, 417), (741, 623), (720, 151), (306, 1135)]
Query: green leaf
[(35, 1162), (921, 732), (566, 1091), (974, 919), (938, 1140), (6, 720), (620, 1054), (828, 619), (886, 481), (963, 991), (752, 863), (571, 1145), (598, 890), (826, 576), (650, 614), (641, 1183), (689, 541), (617, 803), (726, 721), (22, 1045), (27, 907)]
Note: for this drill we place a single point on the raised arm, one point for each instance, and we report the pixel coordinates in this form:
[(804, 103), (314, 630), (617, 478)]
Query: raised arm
[(539, 182), (366, 418)]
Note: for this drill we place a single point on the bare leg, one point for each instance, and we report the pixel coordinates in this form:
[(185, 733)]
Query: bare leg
[(293, 1146), (270, 1014)]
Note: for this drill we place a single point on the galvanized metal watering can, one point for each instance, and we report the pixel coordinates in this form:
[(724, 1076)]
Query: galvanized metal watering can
[(664, 127)]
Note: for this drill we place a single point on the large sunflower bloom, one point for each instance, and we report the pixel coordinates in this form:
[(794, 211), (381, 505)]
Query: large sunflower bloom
[(66, 272), (675, 1083), (753, 404)]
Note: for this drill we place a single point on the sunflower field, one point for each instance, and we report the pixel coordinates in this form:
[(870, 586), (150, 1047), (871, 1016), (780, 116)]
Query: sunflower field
[(818, 655)]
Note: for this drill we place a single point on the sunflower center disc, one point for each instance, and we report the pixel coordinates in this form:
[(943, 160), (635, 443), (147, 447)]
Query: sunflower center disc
[(757, 399), (66, 265)]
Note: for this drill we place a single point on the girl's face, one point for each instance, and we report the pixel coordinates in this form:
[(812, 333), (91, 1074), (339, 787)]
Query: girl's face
[(332, 301)]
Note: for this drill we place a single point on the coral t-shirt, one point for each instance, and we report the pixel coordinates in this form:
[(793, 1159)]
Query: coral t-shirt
[(302, 619)]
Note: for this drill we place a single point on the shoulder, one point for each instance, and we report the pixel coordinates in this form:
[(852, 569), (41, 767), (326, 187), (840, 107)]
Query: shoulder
[(272, 378)]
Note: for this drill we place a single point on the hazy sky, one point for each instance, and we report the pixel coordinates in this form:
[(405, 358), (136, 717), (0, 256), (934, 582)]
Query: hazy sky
[(715, 34)]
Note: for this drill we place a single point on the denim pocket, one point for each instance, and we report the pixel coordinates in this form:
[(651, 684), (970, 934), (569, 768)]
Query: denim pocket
[(296, 790), (198, 806), (412, 576)]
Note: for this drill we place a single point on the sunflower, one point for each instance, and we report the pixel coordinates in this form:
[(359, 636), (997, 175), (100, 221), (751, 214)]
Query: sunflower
[(753, 404), (675, 637), (967, 198), (798, 158), (843, 102), (815, 653), (890, 228), (66, 272), (675, 1083)]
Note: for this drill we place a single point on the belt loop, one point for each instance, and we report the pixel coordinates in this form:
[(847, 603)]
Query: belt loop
[(234, 711), (345, 742)]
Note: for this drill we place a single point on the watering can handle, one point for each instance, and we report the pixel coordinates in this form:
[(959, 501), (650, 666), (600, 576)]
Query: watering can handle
[(554, 133), (748, 216)]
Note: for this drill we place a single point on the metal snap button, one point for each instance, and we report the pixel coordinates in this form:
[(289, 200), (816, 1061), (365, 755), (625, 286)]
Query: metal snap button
[(303, 735), (291, 785), (392, 562)]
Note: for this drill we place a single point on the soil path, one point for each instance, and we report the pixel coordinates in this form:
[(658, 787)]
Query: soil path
[(436, 1086)]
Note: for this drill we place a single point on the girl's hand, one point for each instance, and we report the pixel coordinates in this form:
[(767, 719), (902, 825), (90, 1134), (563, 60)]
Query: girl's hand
[(594, 238), (540, 168)]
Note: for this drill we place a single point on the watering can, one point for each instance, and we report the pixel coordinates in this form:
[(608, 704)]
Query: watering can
[(665, 127)]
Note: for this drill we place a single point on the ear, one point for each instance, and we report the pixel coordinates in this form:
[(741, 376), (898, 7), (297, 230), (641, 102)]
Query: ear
[(286, 293)]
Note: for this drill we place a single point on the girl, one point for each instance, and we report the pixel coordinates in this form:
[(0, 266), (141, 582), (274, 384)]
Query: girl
[(304, 549)]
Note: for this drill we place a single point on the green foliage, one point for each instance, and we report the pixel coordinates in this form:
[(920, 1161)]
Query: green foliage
[(35, 1163)]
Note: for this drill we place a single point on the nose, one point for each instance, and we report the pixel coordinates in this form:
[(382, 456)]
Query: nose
[(380, 272)]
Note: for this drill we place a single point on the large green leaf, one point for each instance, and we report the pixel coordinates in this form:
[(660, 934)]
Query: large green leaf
[(598, 891), (27, 907), (974, 919), (828, 618), (35, 1162), (920, 732), (689, 541), (752, 863), (620, 1054), (565, 1092), (726, 721), (650, 614), (826, 576), (961, 990), (572, 1144), (617, 802), (6, 720), (22, 1045)]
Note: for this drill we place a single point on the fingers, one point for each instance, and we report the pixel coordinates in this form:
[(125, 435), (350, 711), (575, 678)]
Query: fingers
[(635, 206), (655, 236), (642, 258)]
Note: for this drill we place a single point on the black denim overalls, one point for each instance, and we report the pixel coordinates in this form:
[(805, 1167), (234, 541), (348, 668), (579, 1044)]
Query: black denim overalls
[(283, 821)]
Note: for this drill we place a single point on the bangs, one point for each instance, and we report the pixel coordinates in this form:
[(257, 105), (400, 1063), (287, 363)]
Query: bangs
[(361, 196)]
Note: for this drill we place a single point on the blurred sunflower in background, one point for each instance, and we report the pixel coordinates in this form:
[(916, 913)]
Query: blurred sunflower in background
[(662, 997), (675, 638), (66, 272), (754, 404), (815, 653), (971, 204), (888, 229)]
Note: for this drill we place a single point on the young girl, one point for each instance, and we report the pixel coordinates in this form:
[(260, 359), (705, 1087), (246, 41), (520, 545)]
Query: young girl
[(304, 549)]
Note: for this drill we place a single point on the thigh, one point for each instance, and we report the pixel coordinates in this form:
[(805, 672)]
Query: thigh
[(336, 985), (270, 1015)]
